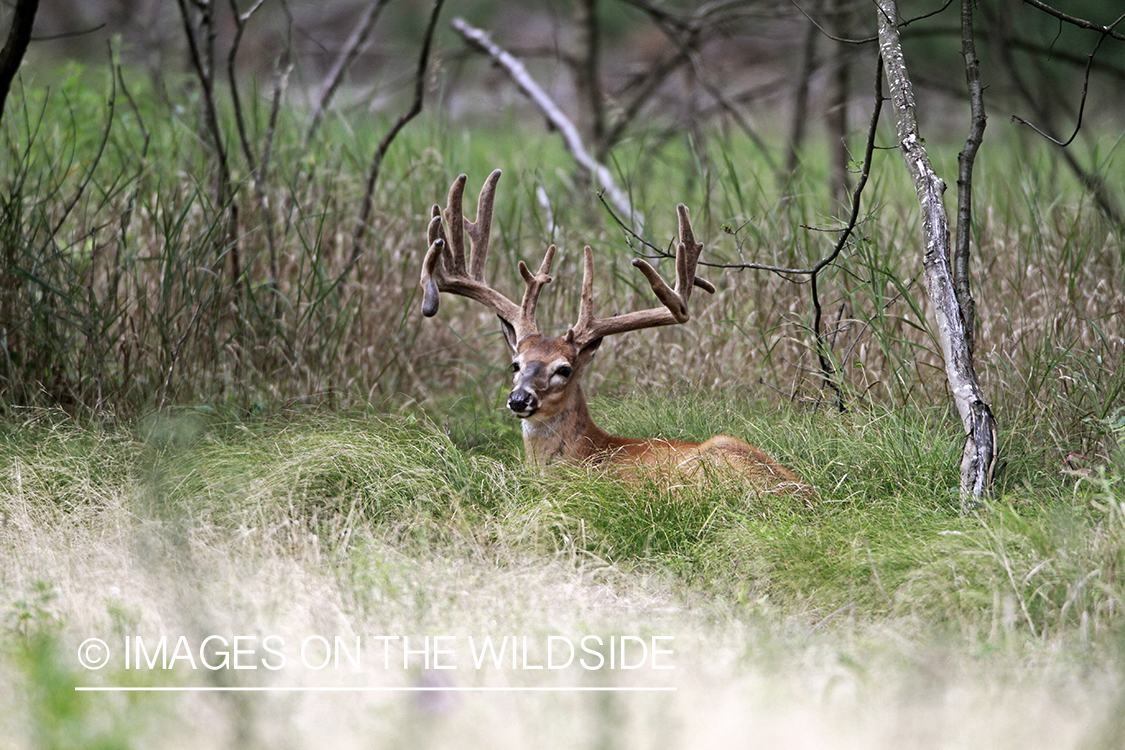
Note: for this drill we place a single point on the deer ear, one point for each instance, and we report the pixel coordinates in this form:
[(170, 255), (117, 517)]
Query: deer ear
[(587, 352), (509, 335)]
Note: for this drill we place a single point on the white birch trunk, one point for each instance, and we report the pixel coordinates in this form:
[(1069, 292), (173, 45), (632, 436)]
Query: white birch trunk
[(979, 455)]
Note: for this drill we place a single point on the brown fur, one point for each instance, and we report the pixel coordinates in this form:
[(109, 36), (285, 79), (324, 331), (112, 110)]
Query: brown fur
[(558, 426)]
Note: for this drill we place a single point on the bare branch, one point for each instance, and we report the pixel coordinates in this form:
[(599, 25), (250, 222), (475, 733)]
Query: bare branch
[(1093, 182), (869, 39), (978, 457), (586, 74), (1079, 22), (202, 59), (347, 56), (19, 35), (240, 21), (965, 160), (600, 173), (381, 151), (1081, 103), (799, 124), (686, 33)]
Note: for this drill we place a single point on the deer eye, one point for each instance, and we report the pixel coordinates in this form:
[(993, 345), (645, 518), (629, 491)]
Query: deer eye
[(515, 367), (565, 371)]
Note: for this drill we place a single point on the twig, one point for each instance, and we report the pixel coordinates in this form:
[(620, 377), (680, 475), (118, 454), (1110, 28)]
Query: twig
[(1081, 103), (647, 85), (1079, 22), (600, 173), (343, 62), (869, 39), (240, 21), (685, 34), (385, 144), (827, 370), (821, 349), (587, 66), (1091, 181), (799, 125), (203, 62), (845, 231)]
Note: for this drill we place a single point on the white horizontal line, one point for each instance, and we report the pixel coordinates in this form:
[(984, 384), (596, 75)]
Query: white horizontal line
[(217, 689)]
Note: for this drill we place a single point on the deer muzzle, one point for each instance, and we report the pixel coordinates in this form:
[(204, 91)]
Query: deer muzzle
[(523, 402)]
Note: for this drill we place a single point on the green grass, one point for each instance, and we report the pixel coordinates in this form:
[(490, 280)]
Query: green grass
[(361, 522), (886, 511), (186, 451), (119, 296)]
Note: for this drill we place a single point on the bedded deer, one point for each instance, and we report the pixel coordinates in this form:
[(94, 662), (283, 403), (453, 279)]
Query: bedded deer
[(547, 393)]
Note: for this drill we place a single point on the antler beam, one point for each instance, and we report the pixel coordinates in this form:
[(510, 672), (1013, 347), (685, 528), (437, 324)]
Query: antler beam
[(588, 328)]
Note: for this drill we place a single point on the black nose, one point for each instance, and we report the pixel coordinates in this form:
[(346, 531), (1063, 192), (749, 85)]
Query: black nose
[(522, 402)]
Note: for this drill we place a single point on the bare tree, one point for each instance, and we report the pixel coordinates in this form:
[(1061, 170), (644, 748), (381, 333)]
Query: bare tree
[(1045, 114), (799, 120), (836, 116), (978, 458), (360, 230), (590, 165), (965, 161)]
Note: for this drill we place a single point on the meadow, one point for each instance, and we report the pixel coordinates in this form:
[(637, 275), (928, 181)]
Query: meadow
[(283, 447)]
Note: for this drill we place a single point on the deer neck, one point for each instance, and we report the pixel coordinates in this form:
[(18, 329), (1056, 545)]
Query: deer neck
[(569, 434)]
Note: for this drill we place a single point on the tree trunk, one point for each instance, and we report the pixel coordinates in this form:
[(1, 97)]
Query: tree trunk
[(19, 36), (836, 118), (586, 72), (979, 455), (965, 160), (799, 124)]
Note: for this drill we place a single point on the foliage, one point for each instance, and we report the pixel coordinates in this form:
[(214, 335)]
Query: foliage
[(118, 296)]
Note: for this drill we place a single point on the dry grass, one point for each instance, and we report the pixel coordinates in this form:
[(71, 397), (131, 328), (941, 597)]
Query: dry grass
[(374, 527)]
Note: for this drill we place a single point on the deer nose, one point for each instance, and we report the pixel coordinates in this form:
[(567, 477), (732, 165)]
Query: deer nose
[(523, 402)]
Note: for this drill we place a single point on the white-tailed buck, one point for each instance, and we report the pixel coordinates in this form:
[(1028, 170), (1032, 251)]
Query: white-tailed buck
[(547, 394)]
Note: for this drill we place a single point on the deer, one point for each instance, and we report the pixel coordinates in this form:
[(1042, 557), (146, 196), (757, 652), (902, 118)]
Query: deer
[(547, 371)]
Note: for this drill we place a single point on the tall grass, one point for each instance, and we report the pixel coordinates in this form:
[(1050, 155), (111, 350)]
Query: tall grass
[(118, 296), (166, 465), (884, 533), (364, 523)]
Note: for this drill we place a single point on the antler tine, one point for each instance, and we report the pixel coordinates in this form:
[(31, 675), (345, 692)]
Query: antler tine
[(479, 230), (589, 329), (454, 219), (443, 269), (586, 306), (687, 257), (535, 283), (431, 292)]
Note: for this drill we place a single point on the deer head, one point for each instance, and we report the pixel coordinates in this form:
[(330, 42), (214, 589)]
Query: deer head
[(547, 370)]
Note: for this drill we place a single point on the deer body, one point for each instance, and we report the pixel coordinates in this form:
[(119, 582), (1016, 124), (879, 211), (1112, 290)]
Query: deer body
[(547, 395), (547, 391)]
